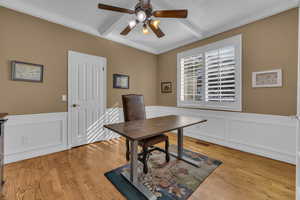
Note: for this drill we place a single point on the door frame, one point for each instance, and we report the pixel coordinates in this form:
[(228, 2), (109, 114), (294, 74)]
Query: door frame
[(297, 189), (104, 88)]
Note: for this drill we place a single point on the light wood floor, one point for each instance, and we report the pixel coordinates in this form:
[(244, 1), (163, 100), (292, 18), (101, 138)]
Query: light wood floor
[(77, 174)]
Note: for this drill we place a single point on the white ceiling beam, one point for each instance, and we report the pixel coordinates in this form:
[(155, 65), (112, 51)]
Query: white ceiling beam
[(195, 30), (115, 20), (110, 25), (297, 2), (192, 28)]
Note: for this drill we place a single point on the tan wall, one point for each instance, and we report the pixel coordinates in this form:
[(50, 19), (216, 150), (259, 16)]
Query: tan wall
[(29, 39), (268, 44)]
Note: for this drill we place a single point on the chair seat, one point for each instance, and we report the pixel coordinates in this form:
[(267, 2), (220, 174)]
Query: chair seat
[(153, 140)]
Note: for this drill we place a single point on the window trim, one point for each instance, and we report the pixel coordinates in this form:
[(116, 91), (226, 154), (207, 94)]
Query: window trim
[(235, 41)]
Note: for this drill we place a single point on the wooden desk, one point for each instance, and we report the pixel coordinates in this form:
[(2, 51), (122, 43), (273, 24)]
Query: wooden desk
[(2, 121), (2, 115), (143, 129)]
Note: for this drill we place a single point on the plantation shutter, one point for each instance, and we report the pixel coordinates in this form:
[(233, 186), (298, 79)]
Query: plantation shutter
[(192, 78), (220, 72)]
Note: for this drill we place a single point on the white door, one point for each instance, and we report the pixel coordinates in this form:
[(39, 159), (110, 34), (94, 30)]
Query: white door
[(87, 98)]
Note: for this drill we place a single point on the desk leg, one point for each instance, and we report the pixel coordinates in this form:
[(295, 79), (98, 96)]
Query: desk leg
[(133, 176), (179, 155), (133, 161), (180, 143)]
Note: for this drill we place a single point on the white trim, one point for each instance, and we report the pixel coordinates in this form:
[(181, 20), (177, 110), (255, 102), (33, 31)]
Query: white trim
[(279, 79), (34, 11), (33, 135), (236, 106), (192, 28), (28, 136), (111, 26), (254, 133), (114, 21)]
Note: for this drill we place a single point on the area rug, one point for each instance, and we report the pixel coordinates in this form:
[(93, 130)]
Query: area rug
[(176, 180)]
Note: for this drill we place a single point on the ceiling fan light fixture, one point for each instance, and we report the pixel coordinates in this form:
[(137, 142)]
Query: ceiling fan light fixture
[(132, 24), (145, 29), (141, 16), (156, 23)]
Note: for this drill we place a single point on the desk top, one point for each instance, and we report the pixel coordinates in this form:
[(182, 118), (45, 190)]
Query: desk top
[(143, 129), (2, 115)]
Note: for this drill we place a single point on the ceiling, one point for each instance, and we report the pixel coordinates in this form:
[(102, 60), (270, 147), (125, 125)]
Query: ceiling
[(206, 18)]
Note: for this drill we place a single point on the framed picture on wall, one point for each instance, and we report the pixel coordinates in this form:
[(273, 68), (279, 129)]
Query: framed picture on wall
[(120, 81), (272, 78), (166, 87), (22, 71)]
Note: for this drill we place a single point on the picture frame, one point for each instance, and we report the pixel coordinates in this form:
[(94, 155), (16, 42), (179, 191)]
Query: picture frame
[(166, 87), (29, 72), (270, 78), (120, 81)]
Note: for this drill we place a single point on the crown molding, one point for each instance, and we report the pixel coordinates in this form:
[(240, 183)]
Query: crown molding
[(58, 19)]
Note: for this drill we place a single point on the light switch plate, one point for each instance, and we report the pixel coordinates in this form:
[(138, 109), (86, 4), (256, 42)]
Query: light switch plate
[(64, 97)]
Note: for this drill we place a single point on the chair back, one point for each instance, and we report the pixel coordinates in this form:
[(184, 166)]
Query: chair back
[(133, 107)]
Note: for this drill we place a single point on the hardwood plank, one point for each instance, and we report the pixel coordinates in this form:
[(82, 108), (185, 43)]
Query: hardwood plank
[(79, 174)]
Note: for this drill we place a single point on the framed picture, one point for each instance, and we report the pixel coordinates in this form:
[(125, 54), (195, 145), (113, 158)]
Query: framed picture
[(22, 71), (120, 81), (166, 87), (272, 78)]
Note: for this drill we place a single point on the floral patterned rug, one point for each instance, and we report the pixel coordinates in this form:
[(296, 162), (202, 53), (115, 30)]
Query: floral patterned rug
[(176, 180)]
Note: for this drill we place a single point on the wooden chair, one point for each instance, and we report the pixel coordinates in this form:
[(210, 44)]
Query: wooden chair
[(134, 109)]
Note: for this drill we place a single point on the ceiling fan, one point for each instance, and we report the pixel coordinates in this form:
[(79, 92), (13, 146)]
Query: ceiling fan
[(144, 14)]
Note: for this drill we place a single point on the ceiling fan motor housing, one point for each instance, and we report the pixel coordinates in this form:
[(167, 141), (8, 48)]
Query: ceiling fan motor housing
[(148, 10)]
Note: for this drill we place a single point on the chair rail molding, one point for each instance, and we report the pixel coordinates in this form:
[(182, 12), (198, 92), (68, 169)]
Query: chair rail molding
[(32, 135), (28, 136), (270, 136)]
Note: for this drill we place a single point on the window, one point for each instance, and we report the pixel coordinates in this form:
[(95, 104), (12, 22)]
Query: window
[(210, 76)]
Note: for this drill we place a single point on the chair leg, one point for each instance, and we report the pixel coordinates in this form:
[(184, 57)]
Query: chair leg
[(127, 150), (145, 155), (167, 151)]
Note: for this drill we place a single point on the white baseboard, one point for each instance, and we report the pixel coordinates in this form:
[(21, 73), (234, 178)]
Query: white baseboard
[(265, 135), (28, 136)]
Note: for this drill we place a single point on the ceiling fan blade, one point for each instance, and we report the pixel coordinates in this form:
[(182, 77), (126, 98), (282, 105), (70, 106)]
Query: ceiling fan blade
[(171, 13), (126, 31), (158, 32), (116, 9)]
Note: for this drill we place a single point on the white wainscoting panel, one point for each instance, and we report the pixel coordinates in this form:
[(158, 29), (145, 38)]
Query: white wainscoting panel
[(266, 135), (112, 115), (28, 136)]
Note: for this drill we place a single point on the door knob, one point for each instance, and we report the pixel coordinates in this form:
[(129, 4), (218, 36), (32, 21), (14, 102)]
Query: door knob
[(75, 105)]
